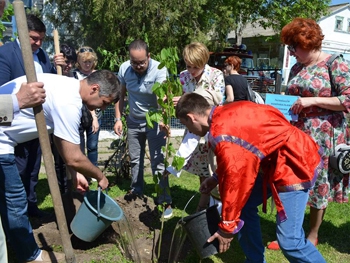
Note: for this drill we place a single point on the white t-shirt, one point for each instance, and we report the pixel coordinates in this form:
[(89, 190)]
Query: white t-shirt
[(62, 111)]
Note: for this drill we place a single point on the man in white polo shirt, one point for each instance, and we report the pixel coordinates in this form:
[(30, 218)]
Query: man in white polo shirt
[(62, 111)]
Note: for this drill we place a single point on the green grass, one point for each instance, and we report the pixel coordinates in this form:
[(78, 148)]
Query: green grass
[(334, 241)]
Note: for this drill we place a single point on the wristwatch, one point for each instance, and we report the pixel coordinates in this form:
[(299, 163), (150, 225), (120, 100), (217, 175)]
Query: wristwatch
[(116, 119)]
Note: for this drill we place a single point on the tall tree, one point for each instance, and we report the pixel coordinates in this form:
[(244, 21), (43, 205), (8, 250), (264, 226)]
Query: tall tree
[(111, 25)]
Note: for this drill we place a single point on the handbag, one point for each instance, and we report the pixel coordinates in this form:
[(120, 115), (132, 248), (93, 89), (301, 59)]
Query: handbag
[(86, 117), (340, 158), (254, 96)]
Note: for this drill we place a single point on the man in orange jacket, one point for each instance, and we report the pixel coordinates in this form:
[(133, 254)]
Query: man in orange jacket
[(246, 137)]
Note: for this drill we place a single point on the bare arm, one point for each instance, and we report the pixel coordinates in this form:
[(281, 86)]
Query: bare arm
[(229, 94), (119, 107), (74, 158), (95, 124), (330, 103)]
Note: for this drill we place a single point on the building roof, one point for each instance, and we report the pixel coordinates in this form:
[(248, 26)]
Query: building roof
[(255, 30), (334, 8)]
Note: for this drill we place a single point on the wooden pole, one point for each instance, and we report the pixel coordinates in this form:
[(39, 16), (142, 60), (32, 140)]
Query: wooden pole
[(57, 49), (27, 54)]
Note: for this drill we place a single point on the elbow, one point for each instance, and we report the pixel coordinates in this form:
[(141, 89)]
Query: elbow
[(73, 161)]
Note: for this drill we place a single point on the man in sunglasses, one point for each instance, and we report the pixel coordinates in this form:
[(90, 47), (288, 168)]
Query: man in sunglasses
[(137, 77)]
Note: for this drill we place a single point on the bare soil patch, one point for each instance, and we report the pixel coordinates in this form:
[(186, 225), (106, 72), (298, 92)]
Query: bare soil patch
[(144, 221)]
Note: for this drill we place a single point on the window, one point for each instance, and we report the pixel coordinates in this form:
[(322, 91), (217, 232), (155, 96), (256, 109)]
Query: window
[(348, 28), (339, 23)]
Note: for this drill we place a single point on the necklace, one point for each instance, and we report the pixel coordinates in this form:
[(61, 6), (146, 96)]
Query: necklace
[(313, 63), (319, 54)]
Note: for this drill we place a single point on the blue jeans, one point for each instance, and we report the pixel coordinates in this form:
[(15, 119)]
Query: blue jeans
[(13, 210), (91, 143), (290, 233), (137, 135), (28, 161)]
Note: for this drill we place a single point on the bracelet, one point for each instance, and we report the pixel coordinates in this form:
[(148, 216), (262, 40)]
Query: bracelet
[(116, 119)]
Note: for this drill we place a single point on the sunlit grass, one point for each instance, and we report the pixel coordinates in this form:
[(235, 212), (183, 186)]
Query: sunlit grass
[(334, 242)]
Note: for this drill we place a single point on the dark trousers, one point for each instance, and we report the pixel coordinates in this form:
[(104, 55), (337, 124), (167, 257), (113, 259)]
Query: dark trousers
[(28, 161), (60, 167)]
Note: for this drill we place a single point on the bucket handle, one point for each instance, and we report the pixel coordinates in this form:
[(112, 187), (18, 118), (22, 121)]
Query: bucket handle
[(182, 215), (98, 200)]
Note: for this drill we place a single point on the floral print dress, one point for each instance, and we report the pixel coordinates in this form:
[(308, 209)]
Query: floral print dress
[(326, 129), (211, 79)]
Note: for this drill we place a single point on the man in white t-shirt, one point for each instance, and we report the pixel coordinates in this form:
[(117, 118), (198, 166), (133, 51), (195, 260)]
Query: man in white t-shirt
[(62, 111)]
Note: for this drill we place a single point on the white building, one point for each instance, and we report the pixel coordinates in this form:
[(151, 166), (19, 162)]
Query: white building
[(336, 28)]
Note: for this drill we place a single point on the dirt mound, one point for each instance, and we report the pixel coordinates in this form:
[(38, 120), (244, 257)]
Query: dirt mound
[(142, 218)]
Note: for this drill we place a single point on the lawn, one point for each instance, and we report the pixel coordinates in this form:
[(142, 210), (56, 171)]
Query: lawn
[(334, 241)]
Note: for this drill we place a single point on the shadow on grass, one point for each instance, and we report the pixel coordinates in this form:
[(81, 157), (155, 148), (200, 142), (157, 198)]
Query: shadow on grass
[(335, 236), (182, 189)]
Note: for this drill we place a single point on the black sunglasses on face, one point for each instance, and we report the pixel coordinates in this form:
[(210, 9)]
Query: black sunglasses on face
[(291, 48), (82, 50)]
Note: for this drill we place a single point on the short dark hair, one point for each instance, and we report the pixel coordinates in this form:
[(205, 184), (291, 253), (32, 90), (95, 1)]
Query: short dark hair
[(108, 82), (191, 103), (139, 44), (35, 24), (68, 52)]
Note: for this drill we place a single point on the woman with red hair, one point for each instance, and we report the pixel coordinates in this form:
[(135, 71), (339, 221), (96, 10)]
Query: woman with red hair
[(236, 86), (321, 112)]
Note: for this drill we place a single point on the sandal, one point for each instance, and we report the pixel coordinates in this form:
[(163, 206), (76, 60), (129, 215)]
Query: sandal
[(273, 245)]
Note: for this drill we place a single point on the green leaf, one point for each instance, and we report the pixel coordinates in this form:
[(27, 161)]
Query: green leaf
[(149, 121), (178, 162)]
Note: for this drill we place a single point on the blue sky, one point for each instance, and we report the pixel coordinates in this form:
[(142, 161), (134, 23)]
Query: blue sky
[(335, 2)]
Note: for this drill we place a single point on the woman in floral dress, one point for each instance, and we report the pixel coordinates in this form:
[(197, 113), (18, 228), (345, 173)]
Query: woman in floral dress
[(199, 75), (321, 114)]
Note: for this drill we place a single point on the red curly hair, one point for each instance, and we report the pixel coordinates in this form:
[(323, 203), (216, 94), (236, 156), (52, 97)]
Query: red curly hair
[(234, 61), (304, 33)]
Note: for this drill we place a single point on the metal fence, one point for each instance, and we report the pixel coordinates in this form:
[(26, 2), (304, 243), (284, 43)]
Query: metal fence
[(107, 120)]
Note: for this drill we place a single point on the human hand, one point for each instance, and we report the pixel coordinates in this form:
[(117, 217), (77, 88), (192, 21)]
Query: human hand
[(165, 129), (176, 99), (59, 60), (118, 128), (31, 95), (302, 103), (224, 240), (81, 184), (103, 182), (207, 185), (95, 125)]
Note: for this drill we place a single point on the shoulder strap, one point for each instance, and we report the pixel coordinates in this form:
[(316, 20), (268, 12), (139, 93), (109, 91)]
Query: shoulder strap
[(328, 64), (250, 93)]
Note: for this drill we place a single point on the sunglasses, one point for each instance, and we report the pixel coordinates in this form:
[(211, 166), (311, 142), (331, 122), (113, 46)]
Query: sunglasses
[(291, 48), (82, 50)]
